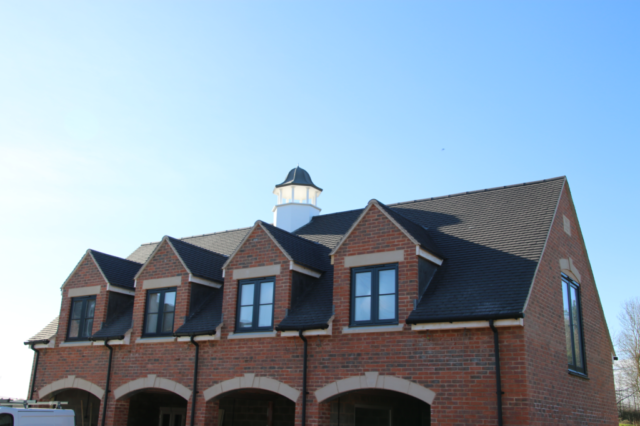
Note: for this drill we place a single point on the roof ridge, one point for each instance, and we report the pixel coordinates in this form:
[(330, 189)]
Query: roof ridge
[(294, 235), (196, 247), (199, 235), (119, 258), (479, 190)]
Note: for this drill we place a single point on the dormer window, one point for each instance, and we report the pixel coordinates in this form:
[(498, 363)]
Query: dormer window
[(160, 312), (374, 291), (81, 320), (255, 305)]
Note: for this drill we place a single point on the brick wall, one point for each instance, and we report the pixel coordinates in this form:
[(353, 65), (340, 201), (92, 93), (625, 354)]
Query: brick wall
[(555, 395)]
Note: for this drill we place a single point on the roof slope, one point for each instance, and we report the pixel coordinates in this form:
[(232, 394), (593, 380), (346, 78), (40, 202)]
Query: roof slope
[(46, 333), (315, 309), (419, 233), (199, 261), (116, 327), (301, 250), (328, 229), (206, 319), (117, 271), (219, 242)]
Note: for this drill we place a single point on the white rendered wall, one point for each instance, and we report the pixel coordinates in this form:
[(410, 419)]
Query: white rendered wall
[(292, 216)]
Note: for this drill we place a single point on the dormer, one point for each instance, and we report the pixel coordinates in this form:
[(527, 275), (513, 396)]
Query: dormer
[(297, 200)]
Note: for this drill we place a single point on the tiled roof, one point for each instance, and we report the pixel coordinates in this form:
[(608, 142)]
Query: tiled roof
[(199, 261), (46, 333), (206, 319), (219, 242), (328, 229), (301, 250), (116, 327), (315, 309), (117, 271)]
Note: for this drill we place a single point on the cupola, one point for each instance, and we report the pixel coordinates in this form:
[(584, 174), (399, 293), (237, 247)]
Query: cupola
[(297, 200)]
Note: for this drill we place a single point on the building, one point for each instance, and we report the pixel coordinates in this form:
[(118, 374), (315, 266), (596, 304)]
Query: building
[(477, 308)]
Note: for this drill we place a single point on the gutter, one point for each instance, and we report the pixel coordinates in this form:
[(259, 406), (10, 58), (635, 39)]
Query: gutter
[(496, 349), (484, 317)]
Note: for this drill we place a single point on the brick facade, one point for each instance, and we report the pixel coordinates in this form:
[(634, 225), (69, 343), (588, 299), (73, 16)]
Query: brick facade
[(458, 365)]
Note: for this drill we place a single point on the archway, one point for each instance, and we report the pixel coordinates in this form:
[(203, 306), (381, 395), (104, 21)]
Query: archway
[(250, 381), (375, 400), (82, 396)]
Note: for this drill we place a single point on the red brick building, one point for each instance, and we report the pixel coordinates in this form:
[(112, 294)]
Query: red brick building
[(477, 308)]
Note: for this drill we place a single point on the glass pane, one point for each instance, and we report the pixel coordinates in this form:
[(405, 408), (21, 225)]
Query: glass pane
[(363, 308), (247, 295), (6, 420), (266, 313), (91, 308), (266, 293), (170, 301), (177, 420), (74, 327), (152, 323), (363, 284), (166, 418), (567, 322), (77, 309), (88, 325), (387, 307), (387, 282), (167, 323), (576, 326), (246, 316), (154, 303)]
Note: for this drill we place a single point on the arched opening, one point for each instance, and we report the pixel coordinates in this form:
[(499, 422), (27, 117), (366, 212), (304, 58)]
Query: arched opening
[(85, 405), (156, 407), (377, 407), (254, 407)]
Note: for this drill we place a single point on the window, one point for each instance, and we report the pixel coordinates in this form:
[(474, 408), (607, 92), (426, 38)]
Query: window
[(255, 305), (374, 298), (573, 325), (161, 308), (6, 420), (81, 321)]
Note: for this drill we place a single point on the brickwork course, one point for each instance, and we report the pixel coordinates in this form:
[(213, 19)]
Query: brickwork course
[(501, 252)]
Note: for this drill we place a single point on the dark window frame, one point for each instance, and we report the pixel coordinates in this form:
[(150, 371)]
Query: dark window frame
[(375, 288), (160, 313), (568, 284), (256, 305), (83, 318)]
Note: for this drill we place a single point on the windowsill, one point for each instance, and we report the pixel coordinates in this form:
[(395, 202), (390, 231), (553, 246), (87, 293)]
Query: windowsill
[(255, 335), (77, 343), (578, 374), (373, 329), (163, 339)]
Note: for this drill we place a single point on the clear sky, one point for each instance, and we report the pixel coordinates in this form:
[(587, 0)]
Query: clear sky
[(123, 121)]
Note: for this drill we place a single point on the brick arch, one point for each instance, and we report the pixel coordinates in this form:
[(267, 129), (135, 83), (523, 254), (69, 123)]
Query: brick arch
[(152, 382), (71, 382), (250, 381), (372, 380)]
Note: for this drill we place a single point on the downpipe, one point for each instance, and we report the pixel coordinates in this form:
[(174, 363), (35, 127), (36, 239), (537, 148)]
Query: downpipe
[(106, 392), (496, 350), (195, 381), (304, 380), (35, 370)]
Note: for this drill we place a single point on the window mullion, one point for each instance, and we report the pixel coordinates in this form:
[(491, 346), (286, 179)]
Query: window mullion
[(160, 313), (375, 294), (256, 304)]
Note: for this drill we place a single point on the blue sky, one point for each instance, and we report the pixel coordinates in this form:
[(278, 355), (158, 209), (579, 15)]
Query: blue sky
[(121, 122)]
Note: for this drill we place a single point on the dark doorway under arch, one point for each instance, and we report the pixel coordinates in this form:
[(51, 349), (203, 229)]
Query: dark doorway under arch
[(375, 407), (85, 405), (254, 407), (156, 407)]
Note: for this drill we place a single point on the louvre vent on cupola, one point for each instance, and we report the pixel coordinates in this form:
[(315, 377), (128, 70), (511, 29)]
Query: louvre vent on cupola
[(297, 200)]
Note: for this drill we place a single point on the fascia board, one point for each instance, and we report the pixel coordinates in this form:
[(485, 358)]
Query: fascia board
[(293, 266), (122, 290), (204, 281)]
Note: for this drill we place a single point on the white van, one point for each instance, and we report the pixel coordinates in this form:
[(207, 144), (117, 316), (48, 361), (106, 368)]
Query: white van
[(35, 417)]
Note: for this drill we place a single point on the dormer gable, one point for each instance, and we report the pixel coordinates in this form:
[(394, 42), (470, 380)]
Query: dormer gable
[(418, 235)]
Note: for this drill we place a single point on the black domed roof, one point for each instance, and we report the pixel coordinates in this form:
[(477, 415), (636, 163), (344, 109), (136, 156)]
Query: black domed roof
[(300, 177)]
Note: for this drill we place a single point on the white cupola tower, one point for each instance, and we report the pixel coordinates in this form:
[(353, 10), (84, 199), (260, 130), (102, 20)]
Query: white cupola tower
[(297, 200)]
